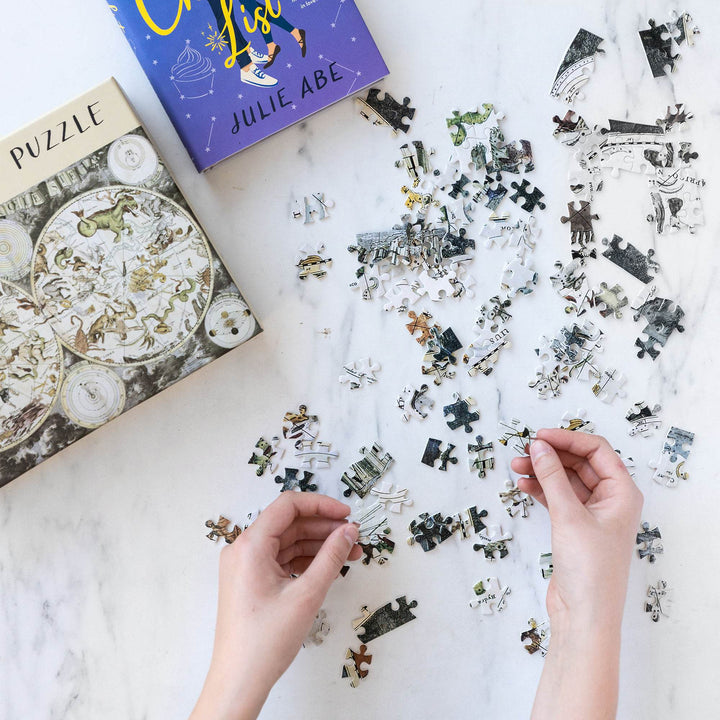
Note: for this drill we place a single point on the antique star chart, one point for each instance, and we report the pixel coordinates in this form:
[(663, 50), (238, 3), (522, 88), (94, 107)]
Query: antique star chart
[(109, 292)]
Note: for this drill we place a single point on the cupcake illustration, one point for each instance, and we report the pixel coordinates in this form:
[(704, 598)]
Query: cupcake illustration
[(192, 75)]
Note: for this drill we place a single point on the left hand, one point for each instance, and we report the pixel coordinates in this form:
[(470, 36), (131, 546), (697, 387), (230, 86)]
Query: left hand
[(264, 614)]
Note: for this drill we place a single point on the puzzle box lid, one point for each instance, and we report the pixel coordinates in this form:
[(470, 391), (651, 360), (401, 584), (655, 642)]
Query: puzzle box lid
[(208, 64), (110, 290)]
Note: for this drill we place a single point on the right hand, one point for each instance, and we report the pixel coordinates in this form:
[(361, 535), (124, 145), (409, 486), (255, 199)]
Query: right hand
[(594, 508)]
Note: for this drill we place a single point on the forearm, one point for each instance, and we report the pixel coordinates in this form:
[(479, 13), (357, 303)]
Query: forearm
[(580, 677), (223, 698)]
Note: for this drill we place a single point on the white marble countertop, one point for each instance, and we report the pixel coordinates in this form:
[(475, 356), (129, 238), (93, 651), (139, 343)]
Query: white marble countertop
[(107, 584)]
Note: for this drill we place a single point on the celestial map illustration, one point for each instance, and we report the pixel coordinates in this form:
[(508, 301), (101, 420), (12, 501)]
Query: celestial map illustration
[(229, 321), (124, 275), (30, 366), (132, 159), (15, 250), (92, 394)]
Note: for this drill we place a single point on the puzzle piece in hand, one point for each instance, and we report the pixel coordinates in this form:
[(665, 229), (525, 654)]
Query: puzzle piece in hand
[(538, 635), (358, 371), (415, 160), (363, 474), (658, 600), (432, 453), (386, 111), (515, 434), (373, 624), (657, 43), (570, 131), (676, 449), (413, 402), (483, 461), (354, 667), (490, 596), (518, 277), (461, 411), (648, 540), (316, 204), (609, 300), (319, 629), (292, 481), (610, 385), (308, 450), (631, 259), (221, 529), (420, 323), (576, 66), (299, 425), (580, 219), (643, 419), (263, 459), (429, 531), (577, 422), (661, 321), (528, 199), (546, 565), (519, 502), (493, 541)]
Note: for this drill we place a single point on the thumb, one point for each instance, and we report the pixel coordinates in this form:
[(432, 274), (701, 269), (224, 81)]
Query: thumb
[(330, 559), (553, 479)]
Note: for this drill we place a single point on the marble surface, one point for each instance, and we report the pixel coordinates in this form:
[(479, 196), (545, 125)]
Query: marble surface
[(107, 584)]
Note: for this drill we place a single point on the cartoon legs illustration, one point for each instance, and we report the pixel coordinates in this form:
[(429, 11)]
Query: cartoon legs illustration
[(252, 7), (247, 58)]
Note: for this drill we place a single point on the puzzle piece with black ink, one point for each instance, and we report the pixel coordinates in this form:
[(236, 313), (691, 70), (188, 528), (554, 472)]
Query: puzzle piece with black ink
[(387, 111), (291, 481)]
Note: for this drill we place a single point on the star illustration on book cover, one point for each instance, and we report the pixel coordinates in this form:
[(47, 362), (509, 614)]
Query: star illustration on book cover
[(232, 72)]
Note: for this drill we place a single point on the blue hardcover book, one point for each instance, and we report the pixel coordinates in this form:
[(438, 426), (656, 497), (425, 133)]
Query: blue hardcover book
[(230, 73)]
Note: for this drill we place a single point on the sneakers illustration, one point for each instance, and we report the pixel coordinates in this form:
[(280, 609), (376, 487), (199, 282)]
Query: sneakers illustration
[(255, 76), (257, 57)]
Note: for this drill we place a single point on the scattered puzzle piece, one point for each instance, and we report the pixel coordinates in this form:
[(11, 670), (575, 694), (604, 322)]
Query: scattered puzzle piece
[(648, 541), (539, 637), (386, 111), (308, 451), (609, 386), (516, 435), (263, 459), (546, 565), (631, 259), (609, 300), (429, 531), (483, 461), (529, 199), (298, 425), (363, 474), (371, 625), (490, 596), (316, 205), (460, 409), (292, 481), (643, 420), (354, 668), (515, 500), (576, 66), (420, 323), (414, 402), (577, 422), (358, 371), (493, 541), (319, 629), (433, 453), (669, 467), (221, 529), (658, 600), (662, 318), (397, 498)]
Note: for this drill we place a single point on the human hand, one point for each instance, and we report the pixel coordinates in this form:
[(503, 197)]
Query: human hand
[(594, 508), (263, 614)]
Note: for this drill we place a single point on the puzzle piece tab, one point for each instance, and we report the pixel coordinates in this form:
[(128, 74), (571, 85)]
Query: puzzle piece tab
[(490, 596), (461, 411), (528, 199), (363, 474), (354, 668)]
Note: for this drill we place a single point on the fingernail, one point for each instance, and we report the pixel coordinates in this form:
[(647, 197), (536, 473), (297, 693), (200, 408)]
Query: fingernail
[(538, 449), (351, 533)]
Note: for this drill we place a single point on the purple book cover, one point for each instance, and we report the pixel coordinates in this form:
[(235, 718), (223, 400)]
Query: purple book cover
[(230, 73)]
